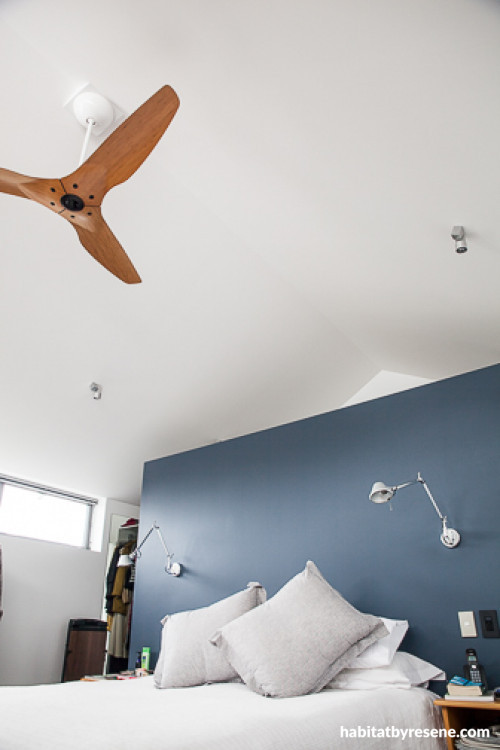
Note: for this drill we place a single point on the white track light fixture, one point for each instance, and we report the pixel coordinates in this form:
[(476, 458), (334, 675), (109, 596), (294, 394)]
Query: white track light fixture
[(458, 234), (96, 390)]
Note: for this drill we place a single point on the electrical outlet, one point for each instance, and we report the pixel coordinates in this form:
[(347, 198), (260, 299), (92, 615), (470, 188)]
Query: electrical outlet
[(467, 624)]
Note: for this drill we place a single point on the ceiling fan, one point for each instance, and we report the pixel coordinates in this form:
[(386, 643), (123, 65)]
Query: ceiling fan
[(78, 196)]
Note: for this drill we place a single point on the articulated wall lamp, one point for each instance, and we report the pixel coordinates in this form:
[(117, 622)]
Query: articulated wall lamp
[(380, 493), (173, 569)]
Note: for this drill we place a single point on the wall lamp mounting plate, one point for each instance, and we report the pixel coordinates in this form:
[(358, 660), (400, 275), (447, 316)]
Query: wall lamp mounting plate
[(175, 569)]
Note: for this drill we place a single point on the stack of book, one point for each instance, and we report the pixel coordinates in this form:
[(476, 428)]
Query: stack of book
[(479, 743), (129, 674), (459, 688)]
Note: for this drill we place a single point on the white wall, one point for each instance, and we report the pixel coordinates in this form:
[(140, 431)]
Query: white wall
[(44, 586)]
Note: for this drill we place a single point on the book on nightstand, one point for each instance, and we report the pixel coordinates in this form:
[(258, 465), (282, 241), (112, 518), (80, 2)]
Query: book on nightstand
[(129, 674), (488, 696), (461, 687), (484, 742)]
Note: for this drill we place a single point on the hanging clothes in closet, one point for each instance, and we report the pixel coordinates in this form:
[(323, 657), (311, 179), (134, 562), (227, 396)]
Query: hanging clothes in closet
[(119, 597)]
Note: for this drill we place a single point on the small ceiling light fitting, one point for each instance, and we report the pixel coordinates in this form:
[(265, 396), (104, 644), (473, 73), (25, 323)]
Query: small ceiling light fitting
[(458, 234), (96, 390)]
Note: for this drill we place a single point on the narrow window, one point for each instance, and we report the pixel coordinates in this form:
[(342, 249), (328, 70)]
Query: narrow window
[(45, 513)]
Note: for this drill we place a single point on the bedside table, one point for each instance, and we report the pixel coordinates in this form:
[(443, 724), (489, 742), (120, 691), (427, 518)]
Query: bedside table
[(467, 714)]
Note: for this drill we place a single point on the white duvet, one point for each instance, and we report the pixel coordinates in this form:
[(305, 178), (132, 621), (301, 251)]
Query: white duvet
[(134, 714)]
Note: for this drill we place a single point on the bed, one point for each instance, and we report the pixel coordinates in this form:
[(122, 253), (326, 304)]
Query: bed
[(227, 716), (303, 670)]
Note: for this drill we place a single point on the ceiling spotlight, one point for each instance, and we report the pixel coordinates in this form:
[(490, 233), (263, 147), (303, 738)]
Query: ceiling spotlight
[(96, 390), (458, 234)]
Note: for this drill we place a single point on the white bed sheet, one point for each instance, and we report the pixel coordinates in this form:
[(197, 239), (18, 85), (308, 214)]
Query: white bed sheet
[(134, 714)]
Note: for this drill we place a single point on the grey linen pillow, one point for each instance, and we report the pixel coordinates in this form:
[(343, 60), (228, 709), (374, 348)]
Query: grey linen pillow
[(298, 640), (186, 656)]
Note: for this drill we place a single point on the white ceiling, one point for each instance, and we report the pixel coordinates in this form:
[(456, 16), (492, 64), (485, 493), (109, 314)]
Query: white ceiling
[(292, 227)]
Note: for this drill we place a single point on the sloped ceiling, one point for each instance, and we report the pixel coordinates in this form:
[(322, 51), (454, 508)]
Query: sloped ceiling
[(292, 228)]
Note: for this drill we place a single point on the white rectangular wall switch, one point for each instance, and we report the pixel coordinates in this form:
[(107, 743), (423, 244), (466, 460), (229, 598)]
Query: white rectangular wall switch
[(467, 624)]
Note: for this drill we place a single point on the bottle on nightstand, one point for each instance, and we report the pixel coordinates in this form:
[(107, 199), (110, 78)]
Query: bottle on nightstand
[(138, 662), (146, 653)]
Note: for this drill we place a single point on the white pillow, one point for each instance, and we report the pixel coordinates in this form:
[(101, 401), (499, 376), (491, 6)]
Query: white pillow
[(404, 672), (381, 653), (370, 679), (186, 656), (418, 671)]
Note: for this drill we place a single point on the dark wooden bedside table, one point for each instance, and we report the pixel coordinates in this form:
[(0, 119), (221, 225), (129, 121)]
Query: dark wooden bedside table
[(459, 715)]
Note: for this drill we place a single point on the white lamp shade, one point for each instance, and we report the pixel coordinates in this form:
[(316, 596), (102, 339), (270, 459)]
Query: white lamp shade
[(381, 493), (124, 561)]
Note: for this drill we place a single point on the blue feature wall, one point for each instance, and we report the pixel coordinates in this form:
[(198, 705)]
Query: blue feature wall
[(257, 507)]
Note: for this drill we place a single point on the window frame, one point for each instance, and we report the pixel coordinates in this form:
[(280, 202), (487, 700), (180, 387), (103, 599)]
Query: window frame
[(90, 502)]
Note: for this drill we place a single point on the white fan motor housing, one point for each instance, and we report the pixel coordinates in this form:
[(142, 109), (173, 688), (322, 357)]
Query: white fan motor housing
[(90, 106)]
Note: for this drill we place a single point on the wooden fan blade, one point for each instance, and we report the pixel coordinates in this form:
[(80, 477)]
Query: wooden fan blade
[(10, 182), (123, 152), (95, 235), (48, 192), (98, 239)]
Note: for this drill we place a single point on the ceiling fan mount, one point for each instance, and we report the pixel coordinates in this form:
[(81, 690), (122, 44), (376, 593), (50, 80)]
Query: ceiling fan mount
[(112, 163), (91, 107)]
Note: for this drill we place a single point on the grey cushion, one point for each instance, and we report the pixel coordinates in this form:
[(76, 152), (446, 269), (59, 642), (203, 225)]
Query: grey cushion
[(298, 640), (186, 655)]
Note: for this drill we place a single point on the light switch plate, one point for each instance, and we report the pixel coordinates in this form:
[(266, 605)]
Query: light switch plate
[(467, 624), (489, 623)]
